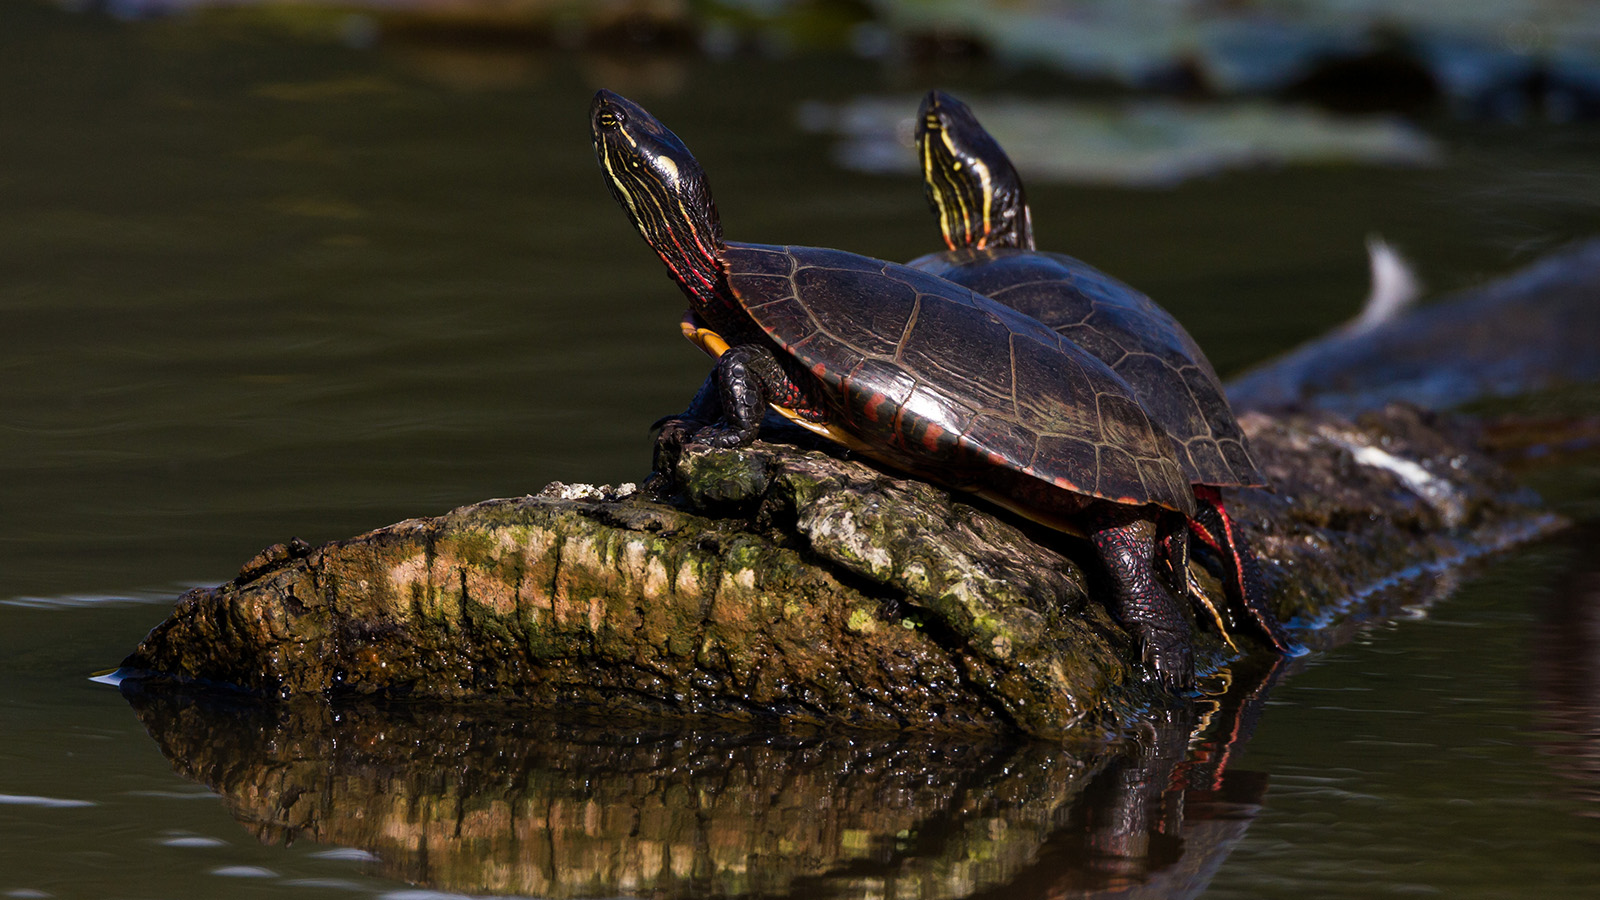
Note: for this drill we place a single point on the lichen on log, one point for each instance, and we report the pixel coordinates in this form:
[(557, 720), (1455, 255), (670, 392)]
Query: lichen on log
[(792, 584)]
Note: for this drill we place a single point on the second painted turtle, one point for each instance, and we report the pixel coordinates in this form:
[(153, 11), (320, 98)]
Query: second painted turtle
[(983, 213)]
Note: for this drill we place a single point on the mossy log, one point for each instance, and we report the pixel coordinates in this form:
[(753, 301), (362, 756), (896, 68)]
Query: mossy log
[(804, 586)]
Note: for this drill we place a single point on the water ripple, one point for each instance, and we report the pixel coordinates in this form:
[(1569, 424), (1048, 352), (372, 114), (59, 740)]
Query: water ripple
[(193, 841), (244, 872), (79, 601), (346, 853), (44, 802)]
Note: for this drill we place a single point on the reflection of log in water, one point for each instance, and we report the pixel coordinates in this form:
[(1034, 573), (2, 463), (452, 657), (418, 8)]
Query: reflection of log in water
[(568, 810), (1566, 671), (574, 810)]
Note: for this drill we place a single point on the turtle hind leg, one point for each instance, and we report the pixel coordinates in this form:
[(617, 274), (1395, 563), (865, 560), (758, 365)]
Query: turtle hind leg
[(1125, 540), (1213, 525)]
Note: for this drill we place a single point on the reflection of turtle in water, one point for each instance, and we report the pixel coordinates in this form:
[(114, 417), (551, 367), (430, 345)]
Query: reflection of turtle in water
[(984, 215), (912, 370), (1162, 814)]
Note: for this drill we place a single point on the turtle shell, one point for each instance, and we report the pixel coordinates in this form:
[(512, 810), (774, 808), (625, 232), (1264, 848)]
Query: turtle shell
[(953, 385), (1128, 332)]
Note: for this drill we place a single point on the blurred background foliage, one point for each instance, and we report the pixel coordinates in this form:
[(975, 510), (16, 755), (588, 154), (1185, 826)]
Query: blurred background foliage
[(1496, 58)]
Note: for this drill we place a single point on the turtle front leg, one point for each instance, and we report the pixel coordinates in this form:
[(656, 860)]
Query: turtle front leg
[(729, 408), (1126, 541), (743, 391), (748, 377)]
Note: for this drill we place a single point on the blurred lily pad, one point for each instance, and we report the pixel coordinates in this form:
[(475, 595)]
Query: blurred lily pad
[(1472, 49), (1140, 144)]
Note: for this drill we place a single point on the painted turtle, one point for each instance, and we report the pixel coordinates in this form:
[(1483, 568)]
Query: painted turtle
[(983, 212), (917, 372)]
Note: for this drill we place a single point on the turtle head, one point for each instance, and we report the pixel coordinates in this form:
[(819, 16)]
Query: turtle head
[(970, 182), (658, 183)]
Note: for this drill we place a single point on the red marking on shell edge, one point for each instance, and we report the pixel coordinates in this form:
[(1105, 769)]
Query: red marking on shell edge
[(819, 370), (930, 438), (873, 403)]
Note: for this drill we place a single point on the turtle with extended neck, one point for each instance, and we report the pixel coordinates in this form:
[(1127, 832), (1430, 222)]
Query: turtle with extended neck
[(921, 374), (983, 213)]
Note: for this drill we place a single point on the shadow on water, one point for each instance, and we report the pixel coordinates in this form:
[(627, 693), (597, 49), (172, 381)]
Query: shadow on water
[(563, 809)]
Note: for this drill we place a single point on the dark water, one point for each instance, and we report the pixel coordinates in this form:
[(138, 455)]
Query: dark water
[(254, 288)]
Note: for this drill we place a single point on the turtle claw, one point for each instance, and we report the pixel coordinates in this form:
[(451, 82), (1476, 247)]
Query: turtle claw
[(1169, 658), (723, 437), (676, 431)]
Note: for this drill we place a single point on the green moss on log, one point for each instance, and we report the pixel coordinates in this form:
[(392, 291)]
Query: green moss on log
[(782, 583)]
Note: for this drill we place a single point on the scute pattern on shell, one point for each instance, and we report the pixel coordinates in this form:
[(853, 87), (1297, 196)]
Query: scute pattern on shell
[(945, 377), (1127, 331)]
